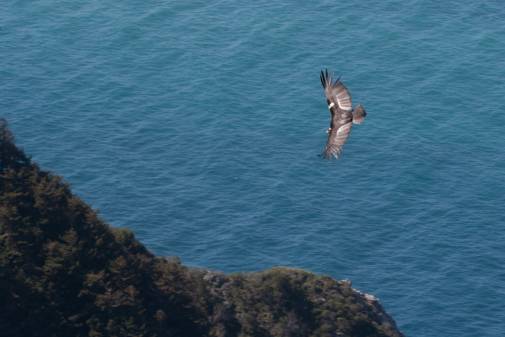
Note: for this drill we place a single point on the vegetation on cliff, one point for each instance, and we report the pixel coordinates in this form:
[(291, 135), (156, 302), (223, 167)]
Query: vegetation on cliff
[(64, 272)]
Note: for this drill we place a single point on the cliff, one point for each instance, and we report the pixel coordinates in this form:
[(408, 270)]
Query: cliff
[(64, 272)]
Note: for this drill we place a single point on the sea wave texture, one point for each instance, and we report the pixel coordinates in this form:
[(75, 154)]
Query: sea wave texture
[(198, 125)]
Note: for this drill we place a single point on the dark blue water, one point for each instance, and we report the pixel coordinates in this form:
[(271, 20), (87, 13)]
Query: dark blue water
[(199, 126)]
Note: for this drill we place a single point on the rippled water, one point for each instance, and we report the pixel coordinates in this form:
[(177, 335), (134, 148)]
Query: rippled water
[(199, 126)]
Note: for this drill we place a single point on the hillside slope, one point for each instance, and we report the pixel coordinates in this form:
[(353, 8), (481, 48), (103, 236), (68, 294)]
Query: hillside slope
[(64, 272)]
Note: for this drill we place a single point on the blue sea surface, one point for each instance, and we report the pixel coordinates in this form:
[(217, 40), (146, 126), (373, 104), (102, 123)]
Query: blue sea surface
[(198, 125)]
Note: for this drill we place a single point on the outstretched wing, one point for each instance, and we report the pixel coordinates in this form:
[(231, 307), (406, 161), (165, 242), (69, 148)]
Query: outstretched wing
[(336, 92), (340, 130)]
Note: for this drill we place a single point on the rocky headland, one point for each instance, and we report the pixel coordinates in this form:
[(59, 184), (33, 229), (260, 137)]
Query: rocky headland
[(64, 272)]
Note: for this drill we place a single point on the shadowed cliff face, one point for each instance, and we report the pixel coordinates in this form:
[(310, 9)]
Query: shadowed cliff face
[(64, 272)]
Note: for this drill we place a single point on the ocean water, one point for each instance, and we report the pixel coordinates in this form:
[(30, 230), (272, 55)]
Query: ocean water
[(198, 125)]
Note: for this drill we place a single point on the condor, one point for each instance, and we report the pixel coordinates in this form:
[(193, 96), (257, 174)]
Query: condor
[(342, 115)]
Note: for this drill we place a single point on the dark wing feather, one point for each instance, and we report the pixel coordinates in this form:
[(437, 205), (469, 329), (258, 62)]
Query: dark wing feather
[(340, 129), (336, 92)]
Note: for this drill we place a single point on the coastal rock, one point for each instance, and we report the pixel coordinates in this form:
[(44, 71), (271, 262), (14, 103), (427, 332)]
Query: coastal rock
[(64, 272)]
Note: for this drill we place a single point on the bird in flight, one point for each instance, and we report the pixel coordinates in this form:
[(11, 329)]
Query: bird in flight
[(342, 114)]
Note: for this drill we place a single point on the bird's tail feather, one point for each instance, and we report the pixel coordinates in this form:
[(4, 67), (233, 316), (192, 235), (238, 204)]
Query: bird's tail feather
[(358, 114)]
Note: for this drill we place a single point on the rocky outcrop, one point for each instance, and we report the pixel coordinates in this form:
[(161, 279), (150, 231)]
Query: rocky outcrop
[(64, 272)]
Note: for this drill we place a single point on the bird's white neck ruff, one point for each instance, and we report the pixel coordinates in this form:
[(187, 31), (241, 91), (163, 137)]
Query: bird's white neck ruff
[(332, 104)]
